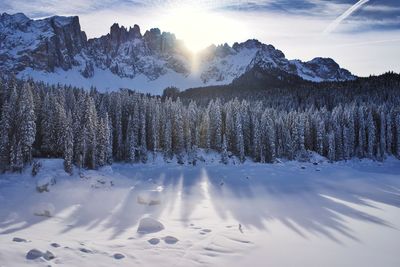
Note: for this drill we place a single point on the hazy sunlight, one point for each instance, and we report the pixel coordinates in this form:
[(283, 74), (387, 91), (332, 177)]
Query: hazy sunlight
[(198, 27)]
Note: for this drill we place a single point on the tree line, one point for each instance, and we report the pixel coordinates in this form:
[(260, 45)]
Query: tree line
[(90, 129)]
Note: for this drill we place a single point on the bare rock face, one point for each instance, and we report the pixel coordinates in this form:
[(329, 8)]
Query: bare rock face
[(40, 44)]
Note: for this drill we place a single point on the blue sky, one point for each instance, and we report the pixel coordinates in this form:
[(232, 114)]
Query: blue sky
[(363, 36)]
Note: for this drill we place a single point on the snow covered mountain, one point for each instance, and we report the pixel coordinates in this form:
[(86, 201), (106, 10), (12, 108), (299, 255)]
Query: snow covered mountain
[(56, 50)]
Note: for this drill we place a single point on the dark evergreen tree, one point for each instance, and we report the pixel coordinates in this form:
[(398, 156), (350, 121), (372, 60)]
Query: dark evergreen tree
[(68, 145)]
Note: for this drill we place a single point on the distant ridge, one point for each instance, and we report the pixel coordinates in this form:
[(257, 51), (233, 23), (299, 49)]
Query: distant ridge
[(56, 50)]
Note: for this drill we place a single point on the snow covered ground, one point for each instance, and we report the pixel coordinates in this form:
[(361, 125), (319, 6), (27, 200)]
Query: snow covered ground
[(285, 214)]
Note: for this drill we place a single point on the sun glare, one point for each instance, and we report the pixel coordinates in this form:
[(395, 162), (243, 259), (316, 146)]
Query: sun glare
[(198, 27)]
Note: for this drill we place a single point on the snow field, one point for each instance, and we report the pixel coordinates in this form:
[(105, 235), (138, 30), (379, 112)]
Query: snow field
[(284, 214)]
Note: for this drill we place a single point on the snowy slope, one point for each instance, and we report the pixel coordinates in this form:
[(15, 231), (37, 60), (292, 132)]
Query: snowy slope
[(105, 80), (56, 50), (285, 214)]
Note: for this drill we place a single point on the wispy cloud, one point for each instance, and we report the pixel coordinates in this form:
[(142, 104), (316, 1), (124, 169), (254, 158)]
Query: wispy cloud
[(331, 27)]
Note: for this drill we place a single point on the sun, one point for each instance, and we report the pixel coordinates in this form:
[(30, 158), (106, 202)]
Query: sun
[(198, 27)]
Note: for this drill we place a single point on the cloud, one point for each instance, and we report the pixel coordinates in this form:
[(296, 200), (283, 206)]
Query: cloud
[(331, 27), (40, 8)]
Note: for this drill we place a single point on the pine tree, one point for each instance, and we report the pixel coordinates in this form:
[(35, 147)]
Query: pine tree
[(168, 141), (239, 139), (179, 136), (370, 135), (257, 143), (58, 127), (320, 137), (101, 148), (118, 136), (382, 135), (68, 145), (26, 115), (47, 125), (215, 124), (90, 137), (398, 134), (124, 125), (389, 133), (269, 140), (143, 144), (17, 161), (257, 135), (224, 152), (331, 146), (205, 131), (132, 141), (155, 125), (79, 130), (362, 138), (338, 125), (108, 141), (346, 143), (4, 138), (288, 143)]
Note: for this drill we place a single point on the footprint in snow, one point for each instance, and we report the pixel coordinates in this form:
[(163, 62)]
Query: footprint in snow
[(85, 250), (205, 231), (19, 240), (170, 240), (154, 241), (118, 256)]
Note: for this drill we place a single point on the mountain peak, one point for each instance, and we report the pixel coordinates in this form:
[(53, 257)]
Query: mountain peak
[(56, 49), (61, 21), (249, 44), (19, 18)]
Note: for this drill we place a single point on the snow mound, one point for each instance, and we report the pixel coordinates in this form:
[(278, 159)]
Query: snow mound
[(48, 256), (34, 254), (152, 197), (43, 184), (44, 209), (107, 169), (149, 225)]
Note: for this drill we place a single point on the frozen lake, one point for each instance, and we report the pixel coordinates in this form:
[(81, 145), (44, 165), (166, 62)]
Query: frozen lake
[(286, 214)]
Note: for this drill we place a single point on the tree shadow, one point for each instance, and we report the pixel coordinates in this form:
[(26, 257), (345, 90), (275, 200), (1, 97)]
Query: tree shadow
[(306, 202), (318, 200)]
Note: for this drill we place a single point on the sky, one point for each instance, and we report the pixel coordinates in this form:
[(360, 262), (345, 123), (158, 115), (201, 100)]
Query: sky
[(361, 35)]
